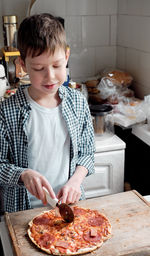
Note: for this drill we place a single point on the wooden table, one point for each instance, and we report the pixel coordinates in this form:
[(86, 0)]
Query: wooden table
[(128, 212)]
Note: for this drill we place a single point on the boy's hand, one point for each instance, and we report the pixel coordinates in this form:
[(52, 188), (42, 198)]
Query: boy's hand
[(35, 182), (71, 192)]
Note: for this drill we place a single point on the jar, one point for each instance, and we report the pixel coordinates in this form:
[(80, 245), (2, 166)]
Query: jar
[(10, 32), (102, 119)]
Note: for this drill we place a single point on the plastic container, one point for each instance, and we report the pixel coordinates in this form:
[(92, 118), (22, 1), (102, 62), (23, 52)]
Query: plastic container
[(102, 120)]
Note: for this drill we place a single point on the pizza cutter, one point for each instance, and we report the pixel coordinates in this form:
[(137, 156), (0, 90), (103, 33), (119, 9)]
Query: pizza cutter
[(64, 209)]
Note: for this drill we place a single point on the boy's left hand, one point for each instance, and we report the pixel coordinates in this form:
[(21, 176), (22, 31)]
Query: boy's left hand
[(71, 192)]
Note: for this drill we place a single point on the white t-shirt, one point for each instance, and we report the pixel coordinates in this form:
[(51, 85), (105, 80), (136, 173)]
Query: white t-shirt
[(48, 145)]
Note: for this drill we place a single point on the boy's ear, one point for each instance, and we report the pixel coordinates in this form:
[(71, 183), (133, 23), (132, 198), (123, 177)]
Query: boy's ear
[(22, 63), (67, 53)]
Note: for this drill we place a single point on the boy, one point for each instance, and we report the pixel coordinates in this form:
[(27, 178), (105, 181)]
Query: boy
[(46, 133)]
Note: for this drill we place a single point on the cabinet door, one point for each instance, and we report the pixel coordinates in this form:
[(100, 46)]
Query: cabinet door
[(109, 174)]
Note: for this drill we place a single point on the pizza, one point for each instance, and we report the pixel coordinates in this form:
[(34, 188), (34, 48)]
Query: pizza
[(86, 233)]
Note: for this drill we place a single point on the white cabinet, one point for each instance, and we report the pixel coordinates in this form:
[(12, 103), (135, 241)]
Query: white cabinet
[(109, 168)]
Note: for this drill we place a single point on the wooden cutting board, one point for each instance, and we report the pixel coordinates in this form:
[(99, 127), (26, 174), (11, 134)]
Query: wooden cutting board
[(128, 213)]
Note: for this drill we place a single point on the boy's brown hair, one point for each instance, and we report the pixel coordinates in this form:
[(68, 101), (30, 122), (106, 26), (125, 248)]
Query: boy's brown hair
[(40, 33)]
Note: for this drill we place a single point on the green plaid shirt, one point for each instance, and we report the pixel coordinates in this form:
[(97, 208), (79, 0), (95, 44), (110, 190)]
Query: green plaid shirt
[(14, 113)]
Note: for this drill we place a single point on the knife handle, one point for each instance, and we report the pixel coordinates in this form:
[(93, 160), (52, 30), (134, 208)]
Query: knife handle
[(50, 200)]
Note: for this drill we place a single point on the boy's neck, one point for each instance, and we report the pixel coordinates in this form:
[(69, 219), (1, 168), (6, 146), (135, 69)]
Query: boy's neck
[(47, 101)]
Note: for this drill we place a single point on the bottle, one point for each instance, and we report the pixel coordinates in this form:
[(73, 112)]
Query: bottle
[(10, 32)]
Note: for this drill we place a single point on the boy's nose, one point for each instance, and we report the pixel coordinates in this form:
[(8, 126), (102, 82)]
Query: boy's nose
[(50, 73)]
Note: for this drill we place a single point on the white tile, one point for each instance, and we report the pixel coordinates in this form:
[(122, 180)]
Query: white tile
[(132, 62), (141, 90), (138, 64), (54, 7), (81, 7), (82, 63), (113, 29), (121, 58), (17, 8), (143, 68), (107, 7), (95, 30), (20, 19), (138, 7), (105, 57), (122, 6), (145, 9), (133, 32), (134, 7), (125, 28), (73, 30)]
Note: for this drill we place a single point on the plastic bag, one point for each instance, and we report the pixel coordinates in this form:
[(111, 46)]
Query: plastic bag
[(129, 113), (106, 88), (114, 84), (117, 77)]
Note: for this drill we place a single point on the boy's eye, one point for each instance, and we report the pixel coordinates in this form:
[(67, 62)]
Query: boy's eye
[(56, 66), (38, 69)]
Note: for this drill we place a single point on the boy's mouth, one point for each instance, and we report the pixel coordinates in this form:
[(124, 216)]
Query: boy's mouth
[(49, 86)]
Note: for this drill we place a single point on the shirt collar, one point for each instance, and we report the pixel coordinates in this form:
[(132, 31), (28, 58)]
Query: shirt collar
[(21, 98), (62, 91)]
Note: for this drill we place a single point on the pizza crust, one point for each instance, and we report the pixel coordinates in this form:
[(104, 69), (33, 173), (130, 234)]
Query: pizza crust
[(55, 251)]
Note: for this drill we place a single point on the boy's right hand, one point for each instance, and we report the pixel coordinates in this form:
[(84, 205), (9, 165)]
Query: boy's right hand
[(35, 182)]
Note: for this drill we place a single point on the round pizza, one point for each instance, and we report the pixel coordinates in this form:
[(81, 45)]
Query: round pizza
[(86, 233)]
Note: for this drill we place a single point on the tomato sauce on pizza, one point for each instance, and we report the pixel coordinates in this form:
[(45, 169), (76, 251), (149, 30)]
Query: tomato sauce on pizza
[(86, 233)]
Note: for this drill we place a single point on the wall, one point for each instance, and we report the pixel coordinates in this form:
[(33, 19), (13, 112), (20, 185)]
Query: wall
[(91, 27), (12, 7), (133, 42)]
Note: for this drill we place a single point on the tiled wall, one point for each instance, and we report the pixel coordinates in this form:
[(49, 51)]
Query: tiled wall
[(133, 42), (12, 7), (91, 27)]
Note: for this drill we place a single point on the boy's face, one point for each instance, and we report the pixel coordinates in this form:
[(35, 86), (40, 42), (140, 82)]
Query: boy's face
[(47, 72)]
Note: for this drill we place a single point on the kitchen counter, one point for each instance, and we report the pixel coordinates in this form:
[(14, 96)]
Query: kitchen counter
[(108, 142), (128, 212), (142, 132)]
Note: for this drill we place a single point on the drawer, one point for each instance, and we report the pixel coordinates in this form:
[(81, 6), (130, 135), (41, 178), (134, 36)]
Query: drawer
[(109, 174)]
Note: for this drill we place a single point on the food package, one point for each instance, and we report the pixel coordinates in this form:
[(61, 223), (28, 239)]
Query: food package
[(114, 85), (117, 77), (93, 92), (92, 83)]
